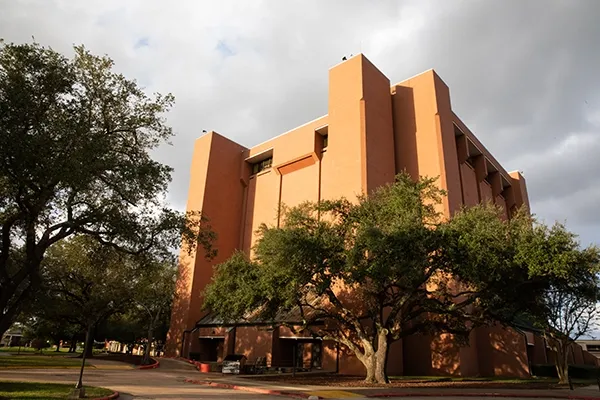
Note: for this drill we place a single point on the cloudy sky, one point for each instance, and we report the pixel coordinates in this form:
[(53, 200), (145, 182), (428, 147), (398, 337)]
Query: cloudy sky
[(523, 74)]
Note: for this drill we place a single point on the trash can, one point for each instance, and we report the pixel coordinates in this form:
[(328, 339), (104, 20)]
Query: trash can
[(233, 364), (205, 368)]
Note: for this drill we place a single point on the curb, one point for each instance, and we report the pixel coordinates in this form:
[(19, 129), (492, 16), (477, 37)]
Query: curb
[(250, 389), (485, 394), (115, 395), (150, 366)]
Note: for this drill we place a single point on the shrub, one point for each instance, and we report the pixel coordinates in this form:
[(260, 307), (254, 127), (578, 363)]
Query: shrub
[(575, 371)]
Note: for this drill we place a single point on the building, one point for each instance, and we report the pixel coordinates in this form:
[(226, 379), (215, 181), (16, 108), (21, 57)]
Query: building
[(591, 346), (373, 130), (12, 337)]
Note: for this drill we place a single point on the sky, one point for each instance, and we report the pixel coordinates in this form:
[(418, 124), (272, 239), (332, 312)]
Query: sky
[(523, 74)]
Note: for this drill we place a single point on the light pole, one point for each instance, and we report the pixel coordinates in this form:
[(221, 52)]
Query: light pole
[(79, 384), (79, 391)]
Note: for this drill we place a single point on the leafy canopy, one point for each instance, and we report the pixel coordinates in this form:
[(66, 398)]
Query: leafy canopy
[(76, 141), (370, 272)]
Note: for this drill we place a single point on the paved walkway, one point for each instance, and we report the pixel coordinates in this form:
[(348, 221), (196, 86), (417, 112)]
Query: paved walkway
[(108, 364), (168, 382)]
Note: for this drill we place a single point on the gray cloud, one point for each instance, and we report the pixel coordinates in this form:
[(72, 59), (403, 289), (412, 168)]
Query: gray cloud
[(522, 73)]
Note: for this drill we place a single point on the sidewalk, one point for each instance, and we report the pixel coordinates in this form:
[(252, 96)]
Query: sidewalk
[(108, 364), (329, 392)]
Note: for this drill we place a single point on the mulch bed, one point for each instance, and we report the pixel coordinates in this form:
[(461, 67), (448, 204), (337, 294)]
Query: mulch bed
[(355, 381)]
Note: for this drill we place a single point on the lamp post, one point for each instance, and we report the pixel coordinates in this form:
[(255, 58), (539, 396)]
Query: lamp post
[(79, 391)]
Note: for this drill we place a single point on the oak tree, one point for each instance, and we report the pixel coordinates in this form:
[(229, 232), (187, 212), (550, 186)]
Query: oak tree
[(76, 142), (376, 271), (571, 294)]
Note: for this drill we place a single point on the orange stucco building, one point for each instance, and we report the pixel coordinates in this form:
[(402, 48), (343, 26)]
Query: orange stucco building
[(372, 131)]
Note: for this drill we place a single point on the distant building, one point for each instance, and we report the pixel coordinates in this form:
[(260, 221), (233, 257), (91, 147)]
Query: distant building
[(373, 131), (591, 346), (12, 337)]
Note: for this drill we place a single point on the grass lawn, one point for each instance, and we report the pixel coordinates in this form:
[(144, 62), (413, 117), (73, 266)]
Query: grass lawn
[(42, 391), (31, 350), (38, 361), (64, 351)]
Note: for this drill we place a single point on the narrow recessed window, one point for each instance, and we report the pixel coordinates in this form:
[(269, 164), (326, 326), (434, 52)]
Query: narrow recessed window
[(322, 137), (262, 165)]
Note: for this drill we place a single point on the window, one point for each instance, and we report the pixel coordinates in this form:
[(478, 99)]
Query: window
[(323, 138), (262, 165)]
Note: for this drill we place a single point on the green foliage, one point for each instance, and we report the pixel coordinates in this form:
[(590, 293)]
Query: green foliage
[(527, 271), (153, 297), (484, 251), (127, 327), (571, 277), (388, 259), (155, 289), (39, 344), (236, 290), (76, 140), (89, 287), (572, 291), (586, 372), (388, 266), (86, 282)]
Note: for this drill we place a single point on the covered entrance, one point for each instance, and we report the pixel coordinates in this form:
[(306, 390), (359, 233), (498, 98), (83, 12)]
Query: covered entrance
[(211, 348), (301, 352)]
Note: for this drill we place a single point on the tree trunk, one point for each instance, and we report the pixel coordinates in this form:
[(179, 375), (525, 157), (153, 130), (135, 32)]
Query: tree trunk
[(369, 363), (73, 344), (11, 301), (381, 358), (10, 314), (89, 343), (58, 345), (562, 365), (146, 360), (375, 360)]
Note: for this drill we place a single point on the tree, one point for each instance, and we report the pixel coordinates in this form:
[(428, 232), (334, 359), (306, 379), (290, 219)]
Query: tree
[(39, 325), (572, 291), (377, 270), (154, 297), (87, 283), (484, 253), (126, 327), (75, 144)]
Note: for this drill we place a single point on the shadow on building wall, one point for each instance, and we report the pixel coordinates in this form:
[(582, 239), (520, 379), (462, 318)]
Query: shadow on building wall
[(179, 310), (405, 130)]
